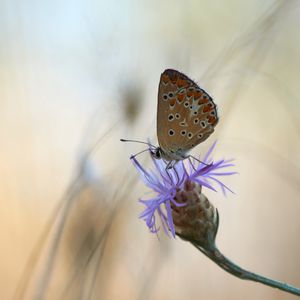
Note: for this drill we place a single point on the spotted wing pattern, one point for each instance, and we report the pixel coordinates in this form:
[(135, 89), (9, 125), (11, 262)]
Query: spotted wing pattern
[(186, 114)]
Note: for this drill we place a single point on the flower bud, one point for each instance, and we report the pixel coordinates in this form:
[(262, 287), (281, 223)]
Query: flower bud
[(196, 221)]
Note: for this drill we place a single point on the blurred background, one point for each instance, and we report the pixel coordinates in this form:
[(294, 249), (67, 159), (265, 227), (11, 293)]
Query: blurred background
[(75, 77)]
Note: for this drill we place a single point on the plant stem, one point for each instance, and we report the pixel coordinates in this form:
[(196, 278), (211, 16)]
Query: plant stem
[(215, 255)]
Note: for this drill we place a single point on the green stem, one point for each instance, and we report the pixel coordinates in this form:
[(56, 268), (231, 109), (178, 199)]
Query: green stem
[(215, 255)]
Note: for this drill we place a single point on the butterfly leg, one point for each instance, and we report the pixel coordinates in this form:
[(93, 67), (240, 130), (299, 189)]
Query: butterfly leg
[(198, 160), (177, 176), (191, 163), (171, 165), (169, 175), (168, 167)]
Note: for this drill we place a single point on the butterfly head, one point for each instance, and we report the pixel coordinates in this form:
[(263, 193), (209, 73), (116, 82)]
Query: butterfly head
[(167, 155), (156, 153)]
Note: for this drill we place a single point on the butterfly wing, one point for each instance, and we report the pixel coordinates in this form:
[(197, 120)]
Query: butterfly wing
[(186, 114)]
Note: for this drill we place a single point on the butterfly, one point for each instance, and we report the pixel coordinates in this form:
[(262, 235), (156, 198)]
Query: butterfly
[(186, 117)]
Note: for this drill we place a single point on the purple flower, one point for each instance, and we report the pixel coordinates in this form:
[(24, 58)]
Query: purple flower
[(166, 182)]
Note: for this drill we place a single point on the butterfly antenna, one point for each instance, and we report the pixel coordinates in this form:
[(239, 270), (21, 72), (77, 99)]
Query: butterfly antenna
[(140, 142), (133, 156), (151, 147)]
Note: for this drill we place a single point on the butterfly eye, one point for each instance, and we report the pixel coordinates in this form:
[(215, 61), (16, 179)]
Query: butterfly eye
[(177, 116), (171, 117), (203, 124), (156, 153), (171, 132)]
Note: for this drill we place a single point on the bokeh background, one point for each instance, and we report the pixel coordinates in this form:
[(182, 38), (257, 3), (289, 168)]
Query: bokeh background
[(75, 77)]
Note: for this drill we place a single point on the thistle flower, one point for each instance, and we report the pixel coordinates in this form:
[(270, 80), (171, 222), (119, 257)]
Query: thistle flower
[(183, 208), (169, 184)]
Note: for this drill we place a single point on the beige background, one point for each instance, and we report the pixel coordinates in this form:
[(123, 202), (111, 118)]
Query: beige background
[(75, 77)]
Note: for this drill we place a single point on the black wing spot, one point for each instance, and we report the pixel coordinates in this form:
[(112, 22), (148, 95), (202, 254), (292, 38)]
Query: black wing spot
[(203, 124), (171, 117), (183, 132), (171, 132)]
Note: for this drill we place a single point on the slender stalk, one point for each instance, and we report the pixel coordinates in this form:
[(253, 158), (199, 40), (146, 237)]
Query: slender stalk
[(216, 256)]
